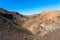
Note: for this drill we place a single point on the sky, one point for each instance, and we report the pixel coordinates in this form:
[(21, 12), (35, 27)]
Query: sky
[(27, 7)]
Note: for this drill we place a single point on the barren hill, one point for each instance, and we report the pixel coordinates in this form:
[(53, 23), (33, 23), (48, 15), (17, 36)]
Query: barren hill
[(45, 25)]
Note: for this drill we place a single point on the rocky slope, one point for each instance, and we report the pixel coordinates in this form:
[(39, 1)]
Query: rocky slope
[(45, 25), (11, 26)]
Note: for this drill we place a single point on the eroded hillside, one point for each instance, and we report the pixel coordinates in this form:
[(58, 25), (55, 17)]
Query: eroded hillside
[(45, 25)]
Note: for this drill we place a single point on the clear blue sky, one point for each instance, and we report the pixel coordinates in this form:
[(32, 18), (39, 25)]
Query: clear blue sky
[(30, 6)]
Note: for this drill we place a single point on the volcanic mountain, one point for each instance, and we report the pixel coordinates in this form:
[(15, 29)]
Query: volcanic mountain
[(11, 26)]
